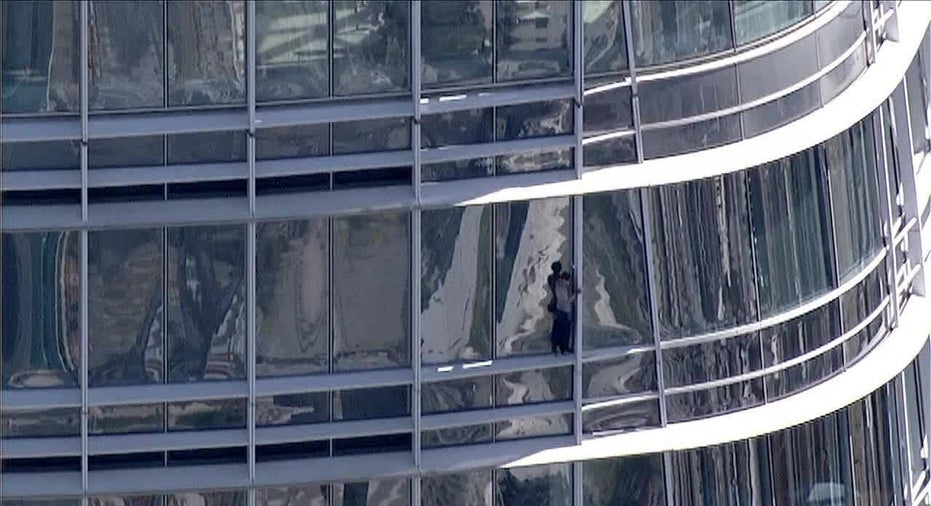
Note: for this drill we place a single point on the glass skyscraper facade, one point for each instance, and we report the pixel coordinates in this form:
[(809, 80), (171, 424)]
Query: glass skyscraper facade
[(297, 252)]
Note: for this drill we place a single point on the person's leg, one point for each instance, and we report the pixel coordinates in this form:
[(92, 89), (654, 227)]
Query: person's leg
[(562, 343)]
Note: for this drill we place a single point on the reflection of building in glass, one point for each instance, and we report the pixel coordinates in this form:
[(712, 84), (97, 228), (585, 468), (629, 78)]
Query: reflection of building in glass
[(289, 252)]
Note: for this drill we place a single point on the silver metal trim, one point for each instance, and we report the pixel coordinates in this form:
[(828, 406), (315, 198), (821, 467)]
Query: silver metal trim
[(333, 430), (646, 214), (167, 441), (433, 373), (336, 163)]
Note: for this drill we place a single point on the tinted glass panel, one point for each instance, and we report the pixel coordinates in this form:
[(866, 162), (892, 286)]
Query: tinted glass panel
[(755, 19), (678, 29), (41, 62), (460, 127), (291, 50), (231, 498), (457, 170), (127, 54), (125, 307), (206, 303), (857, 304), (371, 135), (41, 343), (801, 376), (126, 152), (616, 310), (619, 376), (608, 152), (128, 419), (800, 335), (309, 495), (291, 291), (385, 492), (369, 403), (607, 111), (620, 416), (916, 87), (457, 395), (699, 476), (713, 401), (534, 426), (58, 422), (534, 161), (206, 52), (40, 155), (371, 46), (548, 485), (704, 267), (452, 436), (527, 387), (204, 415), (292, 142), (207, 147), (473, 487), (604, 46), (841, 33), (533, 39), (688, 365), (687, 96), (691, 137), (837, 80), (795, 62), (292, 409), (529, 236), (455, 305), (808, 457), (781, 111), (371, 298), (538, 119), (456, 40), (629, 480)]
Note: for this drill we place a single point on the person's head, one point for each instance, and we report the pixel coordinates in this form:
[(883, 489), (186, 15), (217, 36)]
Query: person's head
[(557, 267), (565, 276)]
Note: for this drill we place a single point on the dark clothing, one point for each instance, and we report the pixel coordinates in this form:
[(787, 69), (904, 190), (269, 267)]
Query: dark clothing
[(562, 330)]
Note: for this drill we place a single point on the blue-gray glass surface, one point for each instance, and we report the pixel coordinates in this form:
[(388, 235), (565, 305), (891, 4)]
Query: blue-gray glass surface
[(528, 387), (119, 152), (533, 426), (291, 50), (607, 152), (529, 237), (722, 474), (616, 310), (371, 46), (217, 498), (468, 487), (41, 62), (842, 76), (292, 142), (292, 297), (207, 415), (636, 480), (620, 416), (460, 169), (796, 62), (629, 374), (206, 303), (714, 401), (691, 137), (456, 42), (606, 109), (852, 174), (710, 361), (456, 291), (873, 446), (791, 226), (53, 422), (371, 403), (755, 19), (800, 335), (207, 147), (371, 291), (383, 492), (675, 30), (455, 436), (536, 119), (856, 347), (126, 60), (41, 155), (126, 419), (811, 460), (860, 301), (533, 39), (772, 115), (916, 80), (307, 495), (534, 161), (543, 485), (133, 500), (801, 376), (687, 96), (604, 45), (457, 395), (125, 284), (704, 265), (472, 126), (371, 135), (41, 343), (840, 33), (291, 409), (206, 53)]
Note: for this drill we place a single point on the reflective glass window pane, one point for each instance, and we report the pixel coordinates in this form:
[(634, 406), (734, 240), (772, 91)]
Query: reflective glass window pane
[(307, 495), (548, 485), (370, 403), (704, 265), (529, 237), (755, 19), (856, 347), (713, 401), (619, 416), (291, 47), (533, 426), (461, 169), (55, 422), (371, 135), (801, 376), (371, 298), (207, 415), (207, 147), (371, 46), (791, 228), (852, 173), (526, 387), (721, 474), (470, 487), (636, 480), (840, 33), (842, 76), (607, 111), (137, 500), (691, 137), (206, 52), (454, 436), (125, 307), (206, 303), (42, 155), (126, 419), (456, 40), (534, 161), (536, 119), (41, 343), (811, 460), (456, 264), (219, 498), (859, 302), (41, 59), (678, 29), (384, 492), (687, 96), (604, 44), (715, 360), (619, 376), (292, 142), (617, 150), (796, 62), (126, 61), (916, 80), (616, 308), (313, 407), (457, 395), (800, 335), (291, 292), (126, 152), (472, 126), (533, 39), (781, 111)]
